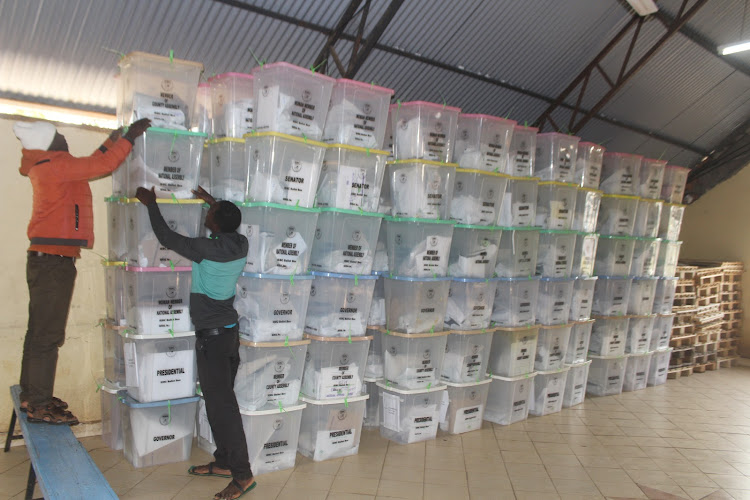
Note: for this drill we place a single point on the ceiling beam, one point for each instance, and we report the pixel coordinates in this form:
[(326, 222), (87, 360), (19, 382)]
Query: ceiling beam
[(372, 38), (321, 62)]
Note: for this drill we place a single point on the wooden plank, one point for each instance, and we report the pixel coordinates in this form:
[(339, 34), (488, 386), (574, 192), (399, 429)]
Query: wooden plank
[(64, 469)]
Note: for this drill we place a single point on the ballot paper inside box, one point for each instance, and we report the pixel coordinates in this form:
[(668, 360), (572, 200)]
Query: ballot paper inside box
[(372, 407), (509, 399), (114, 275), (167, 160), (587, 209), (669, 254), (556, 156), (642, 293), (232, 104), (272, 307), (513, 351), (345, 241), (657, 372), (228, 169), (157, 87), (269, 374), (556, 205), (339, 304), (552, 347), (519, 203), (611, 296), (111, 416), (575, 385), (418, 248), (413, 361), (424, 130), (374, 368), (470, 303), (645, 255), (331, 428), (670, 221), (549, 389), (280, 238), (467, 355), (351, 178), (421, 188), (621, 173), (160, 432), (159, 367), (116, 224), (483, 142), (114, 354), (664, 295), (204, 171), (608, 336), (588, 168), (583, 298), (144, 249), (358, 114), (517, 253), (578, 343), (554, 302), (636, 372), (291, 100), (647, 218), (409, 416), (617, 215), (477, 197), (640, 329), (272, 437), (416, 305), (158, 300), (200, 120), (556, 253), (662, 331), (614, 255), (473, 251), (282, 168), (606, 375), (675, 180), (650, 178), (462, 406), (377, 305), (515, 301), (334, 367), (584, 255), (523, 151), (380, 262)]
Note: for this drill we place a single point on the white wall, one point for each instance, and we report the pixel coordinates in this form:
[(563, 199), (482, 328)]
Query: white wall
[(80, 361)]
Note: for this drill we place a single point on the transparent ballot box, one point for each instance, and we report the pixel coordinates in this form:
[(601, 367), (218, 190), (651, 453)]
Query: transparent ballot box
[(339, 304), (158, 300), (621, 173), (549, 389), (556, 156), (374, 368), (418, 247), (413, 361), (583, 298), (515, 302), (671, 221), (584, 255), (675, 180), (552, 347), (513, 351), (331, 428), (517, 253), (232, 104), (651, 178), (587, 210), (416, 305), (334, 367), (555, 297), (662, 331), (229, 175), (272, 307), (470, 303), (114, 275), (111, 416), (272, 437), (578, 343), (608, 336), (614, 255), (636, 372), (291, 100), (467, 355), (474, 250), (421, 188), (200, 120), (556, 205), (345, 241), (477, 197), (556, 253), (410, 416), (645, 255), (358, 114), (523, 151), (509, 399), (588, 169), (465, 406), (114, 354), (617, 215), (647, 218), (575, 385), (611, 296), (657, 372), (483, 142), (606, 375), (424, 130), (664, 295), (351, 178), (519, 203), (640, 329)]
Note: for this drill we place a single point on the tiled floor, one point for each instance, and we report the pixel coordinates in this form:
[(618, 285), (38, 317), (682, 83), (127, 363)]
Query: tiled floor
[(687, 439)]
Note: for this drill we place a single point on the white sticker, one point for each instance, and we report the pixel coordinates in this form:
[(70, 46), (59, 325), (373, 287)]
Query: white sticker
[(352, 188), (559, 214), (391, 412), (329, 443), (468, 419), (172, 374), (131, 365), (296, 181), (338, 381), (522, 354), (423, 426)]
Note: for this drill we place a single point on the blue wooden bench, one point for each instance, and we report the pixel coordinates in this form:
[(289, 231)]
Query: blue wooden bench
[(59, 463)]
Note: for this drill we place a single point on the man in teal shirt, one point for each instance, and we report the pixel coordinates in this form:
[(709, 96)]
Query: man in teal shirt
[(217, 263)]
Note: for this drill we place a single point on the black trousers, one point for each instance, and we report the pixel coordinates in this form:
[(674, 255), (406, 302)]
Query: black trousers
[(218, 358), (51, 279)]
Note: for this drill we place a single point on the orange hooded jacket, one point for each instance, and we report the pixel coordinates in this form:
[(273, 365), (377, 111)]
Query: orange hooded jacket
[(62, 219)]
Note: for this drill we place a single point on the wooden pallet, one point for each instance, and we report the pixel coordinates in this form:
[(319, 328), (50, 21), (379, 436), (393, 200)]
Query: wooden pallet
[(682, 330), (680, 372), (726, 362), (708, 300), (733, 316), (684, 317), (731, 305), (686, 272), (705, 337), (727, 353), (684, 341), (709, 276), (731, 286), (708, 290), (683, 300), (708, 366), (685, 286)]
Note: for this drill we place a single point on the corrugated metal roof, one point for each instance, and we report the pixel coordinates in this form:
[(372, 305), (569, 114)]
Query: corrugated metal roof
[(57, 52)]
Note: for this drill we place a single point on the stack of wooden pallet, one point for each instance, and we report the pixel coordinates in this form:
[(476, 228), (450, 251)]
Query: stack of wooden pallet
[(731, 308), (684, 335)]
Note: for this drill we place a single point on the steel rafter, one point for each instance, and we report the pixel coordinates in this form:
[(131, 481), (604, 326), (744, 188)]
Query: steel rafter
[(626, 72)]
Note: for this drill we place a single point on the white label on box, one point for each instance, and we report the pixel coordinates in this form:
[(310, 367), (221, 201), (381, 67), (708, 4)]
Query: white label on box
[(468, 419), (444, 403), (131, 365), (551, 401), (623, 222), (297, 181), (561, 261), (520, 392), (172, 374), (470, 367), (391, 412), (329, 443), (423, 426), (522, 354), (352, 188), (337, 381), (588, 255)]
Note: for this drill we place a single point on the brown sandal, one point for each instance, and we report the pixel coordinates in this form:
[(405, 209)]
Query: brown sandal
[(50, 414), (59, 403)]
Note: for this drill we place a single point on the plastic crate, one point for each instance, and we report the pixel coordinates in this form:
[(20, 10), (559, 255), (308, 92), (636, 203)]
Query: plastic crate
[(556, 205), (483, 142), (477, 197), (424, 130), (232, 104), (409, 416), (413, 361), (509, 399), (515, 302), (621, 173), (421, 188), (334, 367), (473, 252), (519, 203), (588, 169), (339, 304), (351, 178), (358, 114), (556, 156), (345, 241), (517, 253), (332, 428), (418, 248)]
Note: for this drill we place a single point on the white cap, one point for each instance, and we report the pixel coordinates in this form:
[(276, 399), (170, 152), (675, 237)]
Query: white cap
[(35, 135)]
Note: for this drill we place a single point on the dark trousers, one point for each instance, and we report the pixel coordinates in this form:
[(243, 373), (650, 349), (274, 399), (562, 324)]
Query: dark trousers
[(218, 358), (50, 279)]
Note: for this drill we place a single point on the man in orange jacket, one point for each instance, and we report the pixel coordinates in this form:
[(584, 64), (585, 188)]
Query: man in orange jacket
[(62, 221)]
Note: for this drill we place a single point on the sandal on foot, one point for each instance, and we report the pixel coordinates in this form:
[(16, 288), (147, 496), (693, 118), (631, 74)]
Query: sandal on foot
[(210, 472), (239, 487), (59, 403), (50, 414)]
